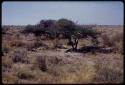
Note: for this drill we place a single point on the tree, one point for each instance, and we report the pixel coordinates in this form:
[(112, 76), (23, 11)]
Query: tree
[(73, 40), (81, 32), (67, 28)]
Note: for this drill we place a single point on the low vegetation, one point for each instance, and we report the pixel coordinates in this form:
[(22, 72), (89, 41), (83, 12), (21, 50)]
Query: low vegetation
[(62, 52)]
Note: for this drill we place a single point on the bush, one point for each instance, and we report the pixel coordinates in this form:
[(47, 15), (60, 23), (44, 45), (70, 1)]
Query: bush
[(107, 75), (5, 47), (9, 78), (41, 62), (25, 73), (20, 55), (28, 29), (38, 42), (6, 63), (22, 71), (56, 43), (4, 29), (114, 40)]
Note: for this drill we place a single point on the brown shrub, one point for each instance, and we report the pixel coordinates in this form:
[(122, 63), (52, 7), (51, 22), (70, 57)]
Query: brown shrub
[(16, 40), (58, 43), (41, 62), (33, 44), (109, 68), (20, 55), (29, 45), (109, 76), (9, 78), (45, 78), (5, 47), (6, 63), (114, 40), (25, 73), (39, 42)]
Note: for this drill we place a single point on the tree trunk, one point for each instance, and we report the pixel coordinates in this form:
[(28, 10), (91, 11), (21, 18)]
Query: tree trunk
[(73, 42), (77, 43)]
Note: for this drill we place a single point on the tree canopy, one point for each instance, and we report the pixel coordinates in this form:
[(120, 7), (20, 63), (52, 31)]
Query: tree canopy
[(67, 28)]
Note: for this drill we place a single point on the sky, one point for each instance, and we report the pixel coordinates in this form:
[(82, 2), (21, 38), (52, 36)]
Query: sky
[(82, 12)]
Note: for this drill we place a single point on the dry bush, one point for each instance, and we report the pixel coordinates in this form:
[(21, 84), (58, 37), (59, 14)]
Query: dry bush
[(29, 45), (6, 43), (39, 43), (23, 71), (33, 44), (5, 47), (59, 43), (10, 42), (119, 47), (17, 43), (55, 43), (9, 78), (107, 75), (114, 40), (6, 63), (4, 30), (85, 74), (66, 71), (54, 60), (45, 78), (109, 68), (16, 40), (20, 55), (107, 40), (41, 62)]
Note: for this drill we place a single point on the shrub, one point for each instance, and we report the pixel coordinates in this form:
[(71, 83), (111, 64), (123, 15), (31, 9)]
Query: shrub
[(29, 45), (107, 40), (12, 41), (85, 75), (119, 47), (4, 29), (45, 78), (6, 63), (9, 78), (20, 55), (28, 29), (107, 75), (38, 42), (5, 47), (24, 72), (41, 62), (114, 40), (56, 43)]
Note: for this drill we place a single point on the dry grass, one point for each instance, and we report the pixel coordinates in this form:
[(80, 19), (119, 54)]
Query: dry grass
[(28, 59), (85, 74), (110, 70), (9, 78), (113, 38), (24, 73), (6, 63)]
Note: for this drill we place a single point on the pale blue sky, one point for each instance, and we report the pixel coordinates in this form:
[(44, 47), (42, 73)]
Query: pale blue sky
[(23, 13)]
